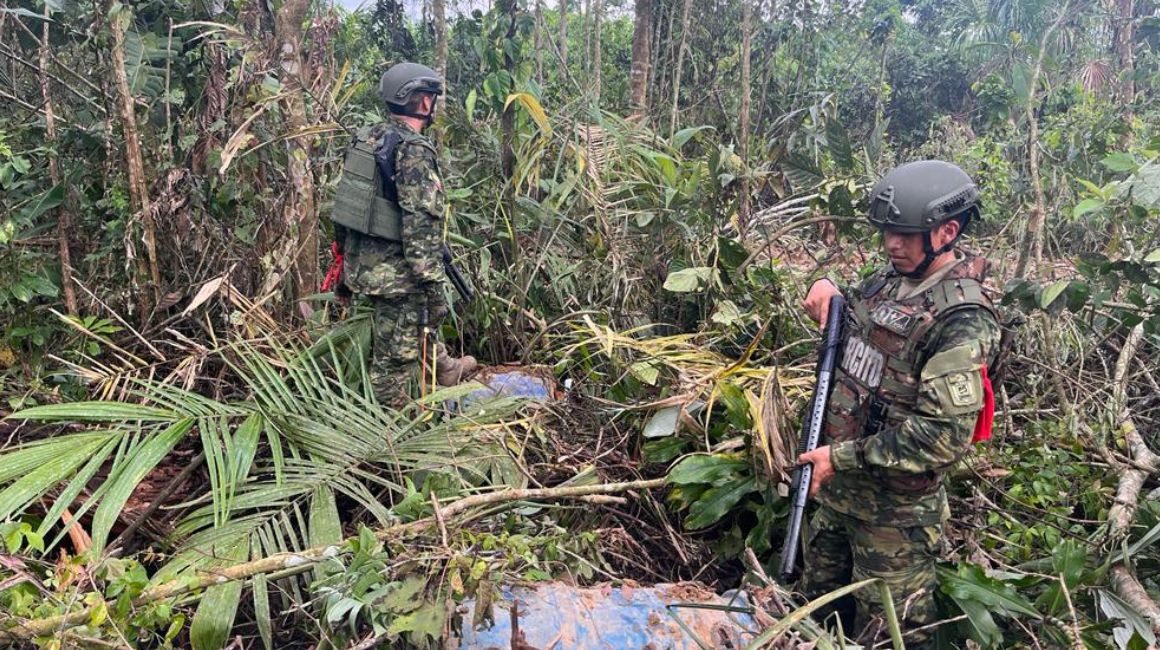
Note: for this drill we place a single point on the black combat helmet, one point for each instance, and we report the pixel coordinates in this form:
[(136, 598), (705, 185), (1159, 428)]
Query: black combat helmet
[(918, 196)]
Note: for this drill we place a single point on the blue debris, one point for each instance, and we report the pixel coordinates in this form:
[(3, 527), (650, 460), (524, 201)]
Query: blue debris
[(512, 383), (555, 616)]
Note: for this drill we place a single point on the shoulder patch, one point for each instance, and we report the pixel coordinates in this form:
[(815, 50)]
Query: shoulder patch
[(962, 389)]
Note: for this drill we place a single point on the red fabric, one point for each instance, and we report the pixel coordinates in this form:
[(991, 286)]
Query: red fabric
[(987, 415), (334, 273)]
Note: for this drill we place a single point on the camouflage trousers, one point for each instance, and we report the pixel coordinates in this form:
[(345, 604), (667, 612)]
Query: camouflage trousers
[(841, 550), (397, 345)]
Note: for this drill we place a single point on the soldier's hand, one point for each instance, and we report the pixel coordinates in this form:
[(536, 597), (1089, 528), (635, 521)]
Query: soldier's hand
[(823, 469), (817, 302)]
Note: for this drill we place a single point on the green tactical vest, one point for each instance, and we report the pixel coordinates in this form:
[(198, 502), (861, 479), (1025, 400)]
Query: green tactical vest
[(881, 354), (359, 203)]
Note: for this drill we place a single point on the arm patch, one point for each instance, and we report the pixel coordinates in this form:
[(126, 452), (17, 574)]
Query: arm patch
[(951, 382)]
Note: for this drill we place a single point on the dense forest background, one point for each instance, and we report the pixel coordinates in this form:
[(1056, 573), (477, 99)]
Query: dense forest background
[(640, 192)]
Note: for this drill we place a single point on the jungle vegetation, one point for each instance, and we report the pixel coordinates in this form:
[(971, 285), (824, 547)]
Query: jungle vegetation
[(640, 191)]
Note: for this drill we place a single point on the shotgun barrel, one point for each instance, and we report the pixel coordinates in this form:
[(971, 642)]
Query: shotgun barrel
[(812, 431)]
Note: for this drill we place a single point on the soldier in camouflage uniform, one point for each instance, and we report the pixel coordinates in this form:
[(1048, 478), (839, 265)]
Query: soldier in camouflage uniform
[(918, 339), (394, 262)]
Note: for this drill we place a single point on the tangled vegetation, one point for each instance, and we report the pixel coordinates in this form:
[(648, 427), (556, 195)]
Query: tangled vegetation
[(640, 191)]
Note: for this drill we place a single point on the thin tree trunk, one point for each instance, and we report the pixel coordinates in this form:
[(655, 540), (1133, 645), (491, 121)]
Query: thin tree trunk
[(641, 56), (439, 15), (564, 35), (538, 42), (585, 19), (879, 95), (1031, 252), (1125, 13), (63, 216), (510, 8), (677, 68), (743, 119), (597, 13), (148, 271), (299, 217)]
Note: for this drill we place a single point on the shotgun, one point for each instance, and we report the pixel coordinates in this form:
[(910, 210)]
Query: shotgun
[(457, 280), (812, 431)]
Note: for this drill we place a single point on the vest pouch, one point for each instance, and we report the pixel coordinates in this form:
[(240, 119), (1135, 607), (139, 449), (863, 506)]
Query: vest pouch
[(386, 220), (358, 201)]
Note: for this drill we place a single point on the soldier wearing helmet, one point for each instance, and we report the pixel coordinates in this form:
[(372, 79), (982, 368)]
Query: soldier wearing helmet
[(911, 385), (389, 228)]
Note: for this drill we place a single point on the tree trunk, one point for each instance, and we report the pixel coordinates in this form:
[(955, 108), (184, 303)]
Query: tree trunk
[(439, 15), (680, 63), (538, 42), (299, 254), (1124, 37), (63, 216), (641, 56), (597, 13), (564, 35), (148, 271), (1031, 252), (743, 119)]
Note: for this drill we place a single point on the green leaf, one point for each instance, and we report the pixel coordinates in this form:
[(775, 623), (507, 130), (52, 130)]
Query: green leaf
[(24, 13), (1132, 620), (215, 615), (405, 598), (726, 314), (43, 203), (124, 477), (706, 468), (1120, 162), (646, 371), (35, 481), (325, 525), (1051, 292), (469, 103), (95, 412), (838, 143), (687, 280), (971, 583), (684, 135), (1153, 257), (262, 611), (717, 501), (1085, 206), (663, 450), (663, 423), (981, 624)]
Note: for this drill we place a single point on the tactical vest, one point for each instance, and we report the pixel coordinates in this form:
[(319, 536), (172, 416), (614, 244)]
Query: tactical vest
[(359, 203), (880, 360)]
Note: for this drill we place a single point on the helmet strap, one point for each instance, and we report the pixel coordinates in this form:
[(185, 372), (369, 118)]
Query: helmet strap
[(428, 117), (931, 253)]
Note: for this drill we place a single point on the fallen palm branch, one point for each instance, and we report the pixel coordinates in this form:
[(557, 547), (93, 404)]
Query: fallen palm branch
[(288, 564)]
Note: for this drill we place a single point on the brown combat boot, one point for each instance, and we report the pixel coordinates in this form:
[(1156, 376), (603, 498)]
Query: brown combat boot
[(451, 370)]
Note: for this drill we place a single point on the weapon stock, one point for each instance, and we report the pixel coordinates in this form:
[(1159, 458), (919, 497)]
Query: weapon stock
[(812, 431)]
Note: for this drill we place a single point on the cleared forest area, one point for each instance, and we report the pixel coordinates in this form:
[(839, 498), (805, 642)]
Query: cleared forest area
[(641, 194)]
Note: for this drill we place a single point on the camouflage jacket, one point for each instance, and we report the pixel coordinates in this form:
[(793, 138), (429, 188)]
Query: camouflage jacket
[(378, 267), (920, 349)]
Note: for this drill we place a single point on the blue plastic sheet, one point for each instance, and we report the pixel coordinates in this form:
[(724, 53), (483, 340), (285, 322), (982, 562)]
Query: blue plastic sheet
[(511, 383), (554, 616)]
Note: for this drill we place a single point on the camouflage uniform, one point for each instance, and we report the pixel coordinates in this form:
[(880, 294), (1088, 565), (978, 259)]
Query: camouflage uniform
[(400, 281), (920, 346)]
